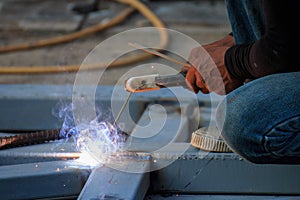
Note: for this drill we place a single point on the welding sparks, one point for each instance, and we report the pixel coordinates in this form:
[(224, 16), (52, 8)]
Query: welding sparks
[(98, 139)]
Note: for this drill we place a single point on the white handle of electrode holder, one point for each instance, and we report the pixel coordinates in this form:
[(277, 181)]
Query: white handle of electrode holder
[(141, 83)]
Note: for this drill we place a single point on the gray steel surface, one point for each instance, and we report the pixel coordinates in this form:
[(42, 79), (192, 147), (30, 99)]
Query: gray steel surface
[(37, 171), (105, 182), (31, 107), (52, 151), (40, 180), (218, 197), (197, 171)]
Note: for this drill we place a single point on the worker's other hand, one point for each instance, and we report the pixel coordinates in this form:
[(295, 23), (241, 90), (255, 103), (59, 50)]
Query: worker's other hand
[(208, 72)]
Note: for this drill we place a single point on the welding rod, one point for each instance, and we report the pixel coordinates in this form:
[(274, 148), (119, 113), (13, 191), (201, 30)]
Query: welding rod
[(154, 52), (122, 108)]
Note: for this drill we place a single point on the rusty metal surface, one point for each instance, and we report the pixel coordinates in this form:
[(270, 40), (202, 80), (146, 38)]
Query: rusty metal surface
[(29, 138)]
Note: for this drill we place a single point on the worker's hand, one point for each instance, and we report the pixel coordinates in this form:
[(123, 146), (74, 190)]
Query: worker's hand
[(194, 80), (208, 72)]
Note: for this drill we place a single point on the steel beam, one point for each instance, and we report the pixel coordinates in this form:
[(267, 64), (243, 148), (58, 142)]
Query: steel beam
[(157, 131), (217, 197), (109, 183), (43, 180), (30, 107), (51, 151), (197, 171)]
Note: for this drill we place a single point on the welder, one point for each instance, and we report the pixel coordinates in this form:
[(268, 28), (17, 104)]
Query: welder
[(260, 66)]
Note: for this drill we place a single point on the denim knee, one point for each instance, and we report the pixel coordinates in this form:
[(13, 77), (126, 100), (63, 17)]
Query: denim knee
[(284, 139), (260, 121)]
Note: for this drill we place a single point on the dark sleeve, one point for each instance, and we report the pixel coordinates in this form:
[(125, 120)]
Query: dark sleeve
[(276, 51)]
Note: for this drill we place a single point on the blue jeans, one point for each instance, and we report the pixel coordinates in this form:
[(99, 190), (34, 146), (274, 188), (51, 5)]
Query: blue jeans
[(261, 120), (246, 19)]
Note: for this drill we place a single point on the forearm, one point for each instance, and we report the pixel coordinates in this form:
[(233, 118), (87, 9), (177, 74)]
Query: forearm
[(274, 52), (226, 41)]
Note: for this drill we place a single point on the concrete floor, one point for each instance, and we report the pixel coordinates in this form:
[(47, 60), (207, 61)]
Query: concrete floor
[(204, 21)]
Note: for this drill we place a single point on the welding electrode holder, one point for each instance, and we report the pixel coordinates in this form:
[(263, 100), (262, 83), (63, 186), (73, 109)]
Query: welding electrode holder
[(171, 80), (154, 82)]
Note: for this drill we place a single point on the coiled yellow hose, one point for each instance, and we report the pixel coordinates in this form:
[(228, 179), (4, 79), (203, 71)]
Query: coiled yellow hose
[(135, 5)]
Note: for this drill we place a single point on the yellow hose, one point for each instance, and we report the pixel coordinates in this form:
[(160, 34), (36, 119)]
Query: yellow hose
[(68, 37), (135, 4)]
